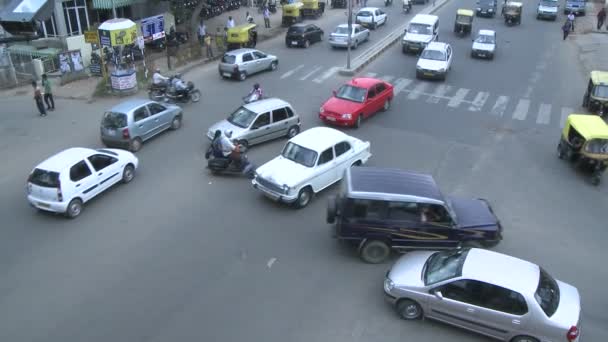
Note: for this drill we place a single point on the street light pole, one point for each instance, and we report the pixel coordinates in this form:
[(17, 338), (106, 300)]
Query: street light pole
[(113, 9), (350, 32)]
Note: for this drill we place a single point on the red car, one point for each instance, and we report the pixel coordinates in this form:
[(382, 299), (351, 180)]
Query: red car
[(357, 100)]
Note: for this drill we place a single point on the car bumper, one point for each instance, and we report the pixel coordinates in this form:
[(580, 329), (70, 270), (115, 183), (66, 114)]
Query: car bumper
[(273, 195), (228, 74), (294, 42), (482, 53), (430, 74), (118, 142), (413, 47), (56, 207), (575, 11), (336, 121), (485, 13), (339, 43), (547, 15)]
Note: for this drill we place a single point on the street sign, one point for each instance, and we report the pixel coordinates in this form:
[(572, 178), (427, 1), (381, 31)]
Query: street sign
[(91, 37)]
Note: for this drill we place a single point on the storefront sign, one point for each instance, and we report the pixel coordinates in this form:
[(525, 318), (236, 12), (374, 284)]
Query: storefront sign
[(118, 37), (124, 82), (91, 37)]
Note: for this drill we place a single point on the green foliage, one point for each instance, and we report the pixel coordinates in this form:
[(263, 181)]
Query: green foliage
[(182, 9)]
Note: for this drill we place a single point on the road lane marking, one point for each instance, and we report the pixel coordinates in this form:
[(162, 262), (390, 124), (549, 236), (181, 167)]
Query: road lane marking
[(439, 93), (521, 110), (500, 106), (387, 78), (310, 73), (292, 71), (479, 101), (400, 85), (565, 112), (370, 74), (544, 114), (417, 91), (327, 74), (458, 98)]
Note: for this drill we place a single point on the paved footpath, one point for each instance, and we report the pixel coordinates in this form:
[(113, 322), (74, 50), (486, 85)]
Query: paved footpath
[(591, 42)]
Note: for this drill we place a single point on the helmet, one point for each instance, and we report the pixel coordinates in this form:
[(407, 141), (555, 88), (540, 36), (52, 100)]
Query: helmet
[(228, 133), (256, 86), (158, 70)]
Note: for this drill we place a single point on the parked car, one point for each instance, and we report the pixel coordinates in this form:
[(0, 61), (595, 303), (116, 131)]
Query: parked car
[(129, 124), (379, 210), (493, 294), (486, 8), (435, 61), (260, 121), (70, 178), (356, 100), (371, 17), (422, 29), (303, 35), (547, 9), (484, 46), (310, 162), (339, 38), (242, 63), (577, 7)]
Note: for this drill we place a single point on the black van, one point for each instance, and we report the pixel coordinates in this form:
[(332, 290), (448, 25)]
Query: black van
[(383, 209)]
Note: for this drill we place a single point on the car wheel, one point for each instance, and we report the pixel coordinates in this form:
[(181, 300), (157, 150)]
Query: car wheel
[(374, 252), (472, 54), (357, 163), (304, 197), (242, 76), (176, 123), (332, 210), (524, 339), (293, 131), (74, 208), (306, 44), (409, 310), (128, 173), (359, 120), (273, 66), (387, 105), (560, 151), (356, 44), (195, 96), (135, 145)]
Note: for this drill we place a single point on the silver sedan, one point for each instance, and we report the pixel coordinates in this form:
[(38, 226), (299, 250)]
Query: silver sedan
[(339, 37)]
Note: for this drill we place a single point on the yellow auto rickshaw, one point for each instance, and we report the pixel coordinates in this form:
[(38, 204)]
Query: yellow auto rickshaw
[(464, 21), (596, 95), (312, 8), (584, 141), (242, 36), (292, 13), (511, 11)]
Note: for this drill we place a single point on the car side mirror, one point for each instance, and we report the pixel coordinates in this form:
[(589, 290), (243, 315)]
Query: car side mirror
[(405, 30), (438, 294)]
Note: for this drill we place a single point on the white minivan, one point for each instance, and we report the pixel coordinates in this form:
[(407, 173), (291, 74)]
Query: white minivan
[(423, 29)]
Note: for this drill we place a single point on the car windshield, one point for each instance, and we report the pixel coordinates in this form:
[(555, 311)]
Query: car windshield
[(547, 293), (351, 93), (341, 30), (114, 120), (486, 2), (601, 91), (434, 55), (47, 179), (444, 265), (484, 39), (597, 146), (242, 117), (299, 154), (364, 14), (549, 3), (229, 59), (420, 29)]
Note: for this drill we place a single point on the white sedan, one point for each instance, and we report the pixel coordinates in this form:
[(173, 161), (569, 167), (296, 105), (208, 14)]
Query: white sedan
[(310, 162), (435, 61), (484, 45), (371, 17)]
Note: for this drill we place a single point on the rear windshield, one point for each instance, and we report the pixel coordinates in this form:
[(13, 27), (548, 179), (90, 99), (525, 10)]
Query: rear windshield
[(295, 29), (47, 179), (114, 120), (364, 14), (229, 59), (547, 293), (341, 30)]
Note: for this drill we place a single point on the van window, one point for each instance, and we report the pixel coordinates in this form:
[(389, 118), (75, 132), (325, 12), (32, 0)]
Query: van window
[(364, 209), (47, 179), (247, 57), (279, 114), (79, 171), (406, 211), (114, 120), (100, 161), (326, 156), (140, 114), (156, 108), (229, 59)]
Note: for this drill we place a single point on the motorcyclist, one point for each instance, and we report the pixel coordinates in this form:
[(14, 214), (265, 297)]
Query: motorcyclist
[(407, 4), (228, 149), (158, 79), (257, 90), (216, 145), (180, 86)]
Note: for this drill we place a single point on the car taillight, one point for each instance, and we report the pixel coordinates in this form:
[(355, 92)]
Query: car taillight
[(125, 133), (59, 194), (572, 333)]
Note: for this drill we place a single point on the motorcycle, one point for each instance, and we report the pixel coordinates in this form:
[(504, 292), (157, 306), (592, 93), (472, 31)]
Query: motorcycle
[(252, 98), (407, 6), (157, 92), (220, 165), (190, 94)]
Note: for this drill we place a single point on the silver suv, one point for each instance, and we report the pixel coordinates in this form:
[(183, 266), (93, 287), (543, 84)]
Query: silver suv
[(260, 121), (132, 122), (486, 292), (242, 63)]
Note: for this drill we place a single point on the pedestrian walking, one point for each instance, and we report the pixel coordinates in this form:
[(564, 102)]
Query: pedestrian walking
[(48, 93), (208, 46), (567, 28), (202, 32), (230, 22), (219, 40), (601, 16), (38, 98), (571, 18), (266, 17)]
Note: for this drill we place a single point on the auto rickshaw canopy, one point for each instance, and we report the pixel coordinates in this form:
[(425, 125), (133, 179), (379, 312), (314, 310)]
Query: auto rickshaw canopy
[(599, 77), (240, 33), (292, 10), (588, 126), (310, 4), (465, 12)]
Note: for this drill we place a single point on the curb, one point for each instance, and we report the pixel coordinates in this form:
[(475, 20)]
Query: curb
[(389, 40)]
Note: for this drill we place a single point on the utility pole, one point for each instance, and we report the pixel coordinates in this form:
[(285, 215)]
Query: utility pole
[(114, 10), (350, 32)]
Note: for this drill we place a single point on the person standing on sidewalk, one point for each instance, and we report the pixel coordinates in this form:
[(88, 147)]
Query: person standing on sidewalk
[(48, 93), (266, 17), (230, 22), (38, 98), (571, 18), (208, 46), (202, 32), (601, 16)]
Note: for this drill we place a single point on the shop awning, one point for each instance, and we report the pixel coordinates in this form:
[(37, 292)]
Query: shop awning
[(107, 4)]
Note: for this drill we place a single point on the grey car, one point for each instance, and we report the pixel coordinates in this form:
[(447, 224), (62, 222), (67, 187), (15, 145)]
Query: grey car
[(493, 294), (132, 122), (260, 121), (243, 63), (339, 38)]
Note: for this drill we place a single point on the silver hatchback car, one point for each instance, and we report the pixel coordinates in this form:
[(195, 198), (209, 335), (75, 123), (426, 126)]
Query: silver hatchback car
[(242, 63), (132, 122), (493, 294)]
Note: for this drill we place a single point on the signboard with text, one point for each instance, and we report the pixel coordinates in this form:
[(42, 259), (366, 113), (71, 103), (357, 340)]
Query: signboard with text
[(153, 28), (91, 37)]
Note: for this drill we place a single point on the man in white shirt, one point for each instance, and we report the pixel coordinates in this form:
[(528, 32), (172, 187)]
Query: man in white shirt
[(202, 32), (227, 145), (158, 78), (571, 18), (230, 22)]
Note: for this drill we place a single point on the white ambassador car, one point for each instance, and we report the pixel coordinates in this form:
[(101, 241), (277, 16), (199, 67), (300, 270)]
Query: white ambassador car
[(371, 17), (310, 162), (484, 46), (435, 61)]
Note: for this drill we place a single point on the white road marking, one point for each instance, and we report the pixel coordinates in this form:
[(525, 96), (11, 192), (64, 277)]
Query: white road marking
[(292, 71), (565, 112), (387, 78), (439, 93), (327, 74), (521, 110), (500, 106), (479, 101), (417, 91), (400, 84), (369, 74), (270, 262), (544, 114), (310, 73), (458, 98)]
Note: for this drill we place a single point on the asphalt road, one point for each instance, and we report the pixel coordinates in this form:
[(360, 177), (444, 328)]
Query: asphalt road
[(179, 255)]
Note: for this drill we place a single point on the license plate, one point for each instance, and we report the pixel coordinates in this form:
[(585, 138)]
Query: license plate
[(294, 43), (428, 74), (111, 131), (330, 118), (44, 205), (414, 48), (481, 54), (227, 74)]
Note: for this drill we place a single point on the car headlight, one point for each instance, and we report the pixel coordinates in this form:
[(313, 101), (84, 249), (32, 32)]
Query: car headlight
[(389, 285), (285, 188), (490, 10), (321, 110), (479, 8), (347, 116), (442, 70), (418, 67)]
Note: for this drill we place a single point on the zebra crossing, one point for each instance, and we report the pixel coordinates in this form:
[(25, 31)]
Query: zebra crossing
[(497, 105)]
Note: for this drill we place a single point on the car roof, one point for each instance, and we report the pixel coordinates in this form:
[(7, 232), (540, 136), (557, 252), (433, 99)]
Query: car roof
[(65, 159), (487, 33), (129, 105), (436, 46), (488, 266), (392, 185), (266, 104), (363, 82), (370, 9), (346, 25), (319, 138), (427, 19), (239, 51)]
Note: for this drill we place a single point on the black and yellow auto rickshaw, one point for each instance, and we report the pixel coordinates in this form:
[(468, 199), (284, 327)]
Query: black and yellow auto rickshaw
[(312, 8), (292, 13), (242, 36), (511, 11), (464, 21), (339, 3), (596, 95), (584, 141)]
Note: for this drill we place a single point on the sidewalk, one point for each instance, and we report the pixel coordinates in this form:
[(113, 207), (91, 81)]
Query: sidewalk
[(591, 43)]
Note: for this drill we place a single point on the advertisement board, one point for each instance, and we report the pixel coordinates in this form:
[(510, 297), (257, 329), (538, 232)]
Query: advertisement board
[(153, 28), (118, 37)]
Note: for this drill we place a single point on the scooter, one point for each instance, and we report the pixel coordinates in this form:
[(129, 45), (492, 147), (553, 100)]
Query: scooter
[(224, 165), (407, 6), (252, 98)]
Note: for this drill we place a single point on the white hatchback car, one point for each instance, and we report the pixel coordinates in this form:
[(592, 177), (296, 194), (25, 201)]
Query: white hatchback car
[(310, 162), (484, 46), (371, 17), (435, 61), (67, 180)]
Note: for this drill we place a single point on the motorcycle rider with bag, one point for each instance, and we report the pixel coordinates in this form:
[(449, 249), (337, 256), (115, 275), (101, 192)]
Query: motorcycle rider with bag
[(255, 94)]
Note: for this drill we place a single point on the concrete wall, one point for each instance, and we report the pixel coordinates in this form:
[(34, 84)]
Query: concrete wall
[(77, 43)]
